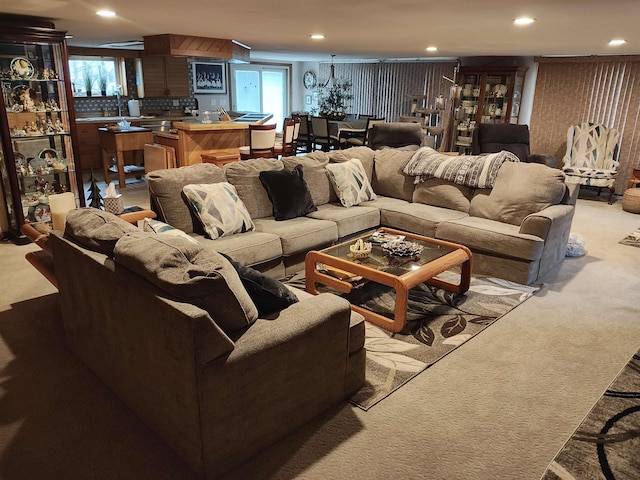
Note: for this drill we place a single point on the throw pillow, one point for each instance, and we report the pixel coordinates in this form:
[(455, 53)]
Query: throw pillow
[(350, 182), (268, 294), (96, 229), (191, 273), (288, 193), (156, 226), (219, 208)]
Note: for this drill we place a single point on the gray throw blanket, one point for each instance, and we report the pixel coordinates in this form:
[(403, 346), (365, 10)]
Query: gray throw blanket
[(477, 171)]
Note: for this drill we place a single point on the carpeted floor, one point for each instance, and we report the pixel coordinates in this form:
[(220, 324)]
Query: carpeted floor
[(438, 323), (633, 239), (607, 443)]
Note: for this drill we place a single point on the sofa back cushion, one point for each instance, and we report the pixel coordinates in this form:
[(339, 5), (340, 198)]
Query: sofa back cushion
[(388, 177), (167, 199), (314, 168), (190, 273), (96, 229), (441, 193), (520, 189), (245, 177)]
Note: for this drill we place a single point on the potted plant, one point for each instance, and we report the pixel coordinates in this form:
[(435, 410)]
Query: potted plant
[(333, 100), (88, 82), (102, 80)]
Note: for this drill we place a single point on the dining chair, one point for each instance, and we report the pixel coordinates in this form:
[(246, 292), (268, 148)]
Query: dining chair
[(321, 139), (285, 147), (362, 138), (303, 143), (158, 157), (262, 141)]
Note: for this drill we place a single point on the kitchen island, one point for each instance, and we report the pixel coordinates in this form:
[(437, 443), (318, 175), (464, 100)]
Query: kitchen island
[(191, 139)]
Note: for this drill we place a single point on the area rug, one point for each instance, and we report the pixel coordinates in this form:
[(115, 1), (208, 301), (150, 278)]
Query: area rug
[(438, 323), (607, 442), (632, 239)]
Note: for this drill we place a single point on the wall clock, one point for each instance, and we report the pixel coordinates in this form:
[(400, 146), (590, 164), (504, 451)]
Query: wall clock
[(309, 79)]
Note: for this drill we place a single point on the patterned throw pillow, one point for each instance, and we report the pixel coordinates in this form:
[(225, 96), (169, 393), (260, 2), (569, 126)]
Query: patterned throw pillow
[(219, 208), (156, 226), (350, 182)]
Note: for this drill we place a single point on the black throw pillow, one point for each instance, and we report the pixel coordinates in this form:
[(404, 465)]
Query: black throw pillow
[(288, 193), (268, 294)]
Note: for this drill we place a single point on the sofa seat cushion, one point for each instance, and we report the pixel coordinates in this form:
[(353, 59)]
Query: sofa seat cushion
[(218, 208), (250, 248), (190, 273), (299, 234), (490, 236), (388, 177), (417, 217), (167, 200), (519, 190), (441, 193), (96, 229), (348, 220), (288, 193), (315, 175), (245, 176)]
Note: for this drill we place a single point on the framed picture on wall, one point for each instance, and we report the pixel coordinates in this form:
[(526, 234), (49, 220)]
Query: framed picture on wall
[(209, 77)]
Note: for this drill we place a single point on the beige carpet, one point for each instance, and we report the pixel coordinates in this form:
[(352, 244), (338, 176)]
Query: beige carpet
[(499, 407)]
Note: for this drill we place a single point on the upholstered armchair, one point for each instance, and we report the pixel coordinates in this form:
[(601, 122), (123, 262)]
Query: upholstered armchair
[(590, 158), (495, 137)]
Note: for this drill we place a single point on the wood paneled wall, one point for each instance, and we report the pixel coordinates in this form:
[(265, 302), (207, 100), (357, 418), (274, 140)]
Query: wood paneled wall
[(573, 90)]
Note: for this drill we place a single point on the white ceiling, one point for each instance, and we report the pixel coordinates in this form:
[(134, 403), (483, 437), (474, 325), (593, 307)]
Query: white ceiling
[(359, 29)]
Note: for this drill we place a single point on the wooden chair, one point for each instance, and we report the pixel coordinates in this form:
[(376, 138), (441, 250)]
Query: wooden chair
[(158, 157), (286, 147), (304, 133), (362, 138), (262, 142), (321, 139)]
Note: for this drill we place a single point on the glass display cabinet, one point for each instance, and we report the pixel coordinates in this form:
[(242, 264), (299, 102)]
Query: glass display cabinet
[(38, 149), (487, 95)]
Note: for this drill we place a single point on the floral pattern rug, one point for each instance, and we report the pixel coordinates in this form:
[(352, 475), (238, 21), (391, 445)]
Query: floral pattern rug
[(632, 239), (438, 323)]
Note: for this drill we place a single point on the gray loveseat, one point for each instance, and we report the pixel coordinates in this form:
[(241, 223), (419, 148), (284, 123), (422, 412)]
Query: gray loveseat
[(168, 326), (517, 231)]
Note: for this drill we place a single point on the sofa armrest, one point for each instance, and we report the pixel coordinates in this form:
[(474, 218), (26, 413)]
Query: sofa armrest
[(541, 223)]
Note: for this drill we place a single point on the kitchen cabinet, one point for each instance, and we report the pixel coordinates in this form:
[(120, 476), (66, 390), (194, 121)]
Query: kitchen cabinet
[(487, 95), (39, 151), (165, 76)]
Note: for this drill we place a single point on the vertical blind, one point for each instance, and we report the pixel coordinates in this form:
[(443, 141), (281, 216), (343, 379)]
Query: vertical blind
[(381, 89), (602, 90)]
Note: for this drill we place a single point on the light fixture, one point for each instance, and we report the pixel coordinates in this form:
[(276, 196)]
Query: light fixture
[(523, 21), (106, 13), (316, 36), (616, 42), (332, 74), (432, 49)]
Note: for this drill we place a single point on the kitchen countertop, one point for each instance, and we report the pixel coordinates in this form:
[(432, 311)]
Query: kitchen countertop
[(99, 119)]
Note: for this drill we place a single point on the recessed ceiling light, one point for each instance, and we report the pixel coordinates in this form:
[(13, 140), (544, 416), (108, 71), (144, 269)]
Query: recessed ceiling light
[(615, 43), (432, 49), (317, 36), (523, 21), (106, 13)]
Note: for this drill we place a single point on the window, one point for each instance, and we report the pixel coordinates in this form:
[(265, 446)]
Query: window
[(96, 76)]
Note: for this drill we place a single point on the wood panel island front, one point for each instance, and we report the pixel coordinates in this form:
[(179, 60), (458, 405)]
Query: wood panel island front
[(192, 139)]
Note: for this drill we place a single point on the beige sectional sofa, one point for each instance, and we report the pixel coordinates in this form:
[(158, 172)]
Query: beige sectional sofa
[(517, 231)]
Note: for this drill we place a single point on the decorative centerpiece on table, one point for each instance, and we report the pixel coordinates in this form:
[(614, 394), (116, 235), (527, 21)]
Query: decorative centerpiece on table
[(334, 100)]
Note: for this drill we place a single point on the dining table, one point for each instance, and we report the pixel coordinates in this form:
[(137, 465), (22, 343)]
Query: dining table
[(336, 127)]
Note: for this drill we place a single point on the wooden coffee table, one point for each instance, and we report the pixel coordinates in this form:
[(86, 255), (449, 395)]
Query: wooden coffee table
[(399, 273)]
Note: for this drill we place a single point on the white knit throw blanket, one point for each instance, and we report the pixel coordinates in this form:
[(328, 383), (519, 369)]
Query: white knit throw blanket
[(477, 171)]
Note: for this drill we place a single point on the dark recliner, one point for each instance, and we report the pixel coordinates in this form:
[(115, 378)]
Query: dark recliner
[(395, 135), (494, 137)]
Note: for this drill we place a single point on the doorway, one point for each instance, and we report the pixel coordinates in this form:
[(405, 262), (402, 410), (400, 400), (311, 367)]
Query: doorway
[(261, 88)]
